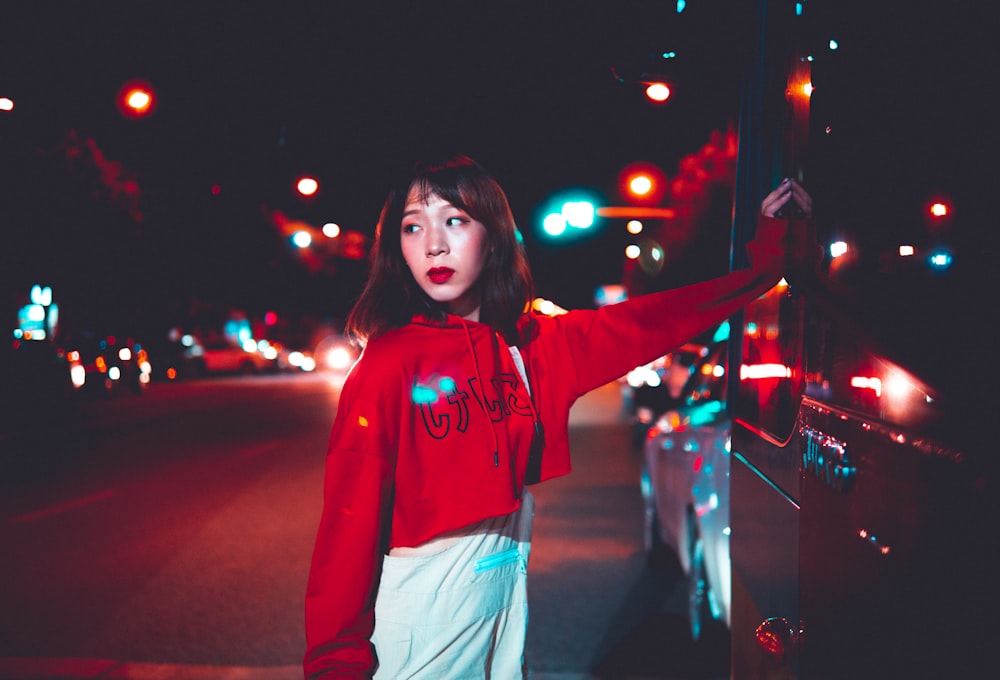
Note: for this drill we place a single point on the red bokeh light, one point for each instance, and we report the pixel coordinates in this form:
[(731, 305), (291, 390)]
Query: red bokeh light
[(136, 99)]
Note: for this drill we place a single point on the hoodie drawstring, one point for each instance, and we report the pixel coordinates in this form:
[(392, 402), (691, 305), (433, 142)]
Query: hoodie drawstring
[(533, 471), (482, 387)]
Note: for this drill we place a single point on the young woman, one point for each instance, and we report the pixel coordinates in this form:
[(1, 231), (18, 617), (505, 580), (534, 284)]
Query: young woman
[(460, 399)]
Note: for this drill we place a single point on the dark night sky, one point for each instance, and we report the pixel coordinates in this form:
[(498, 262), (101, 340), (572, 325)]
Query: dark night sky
[(253, 93)]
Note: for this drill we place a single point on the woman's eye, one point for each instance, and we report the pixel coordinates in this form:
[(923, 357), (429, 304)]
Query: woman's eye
[(455, 221), (410, 228)]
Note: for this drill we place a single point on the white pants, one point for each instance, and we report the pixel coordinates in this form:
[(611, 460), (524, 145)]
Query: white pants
[(459, 613)]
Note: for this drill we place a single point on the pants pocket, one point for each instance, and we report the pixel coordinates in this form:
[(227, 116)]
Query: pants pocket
[(509, 556)]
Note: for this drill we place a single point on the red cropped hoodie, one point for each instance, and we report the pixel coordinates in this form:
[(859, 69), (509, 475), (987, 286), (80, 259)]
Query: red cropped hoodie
[(435, 431)]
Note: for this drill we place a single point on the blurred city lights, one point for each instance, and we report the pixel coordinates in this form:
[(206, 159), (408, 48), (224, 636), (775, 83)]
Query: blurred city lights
[(939, 209), (575, 207), (307, 186), (632, 251), (331, 230), (302, 239), (77, 374), (269, 351), (579, 214), (897, 386), (636, 211), (634, 227), (554, 224), (610, 294), (6, 104), (546, 307), (41, 295), (643, 183), (339, 358), (301, 361), (838, 248), (867, 383), (761, 371), (136, 99), (940, 260), (650, 256), (658, 92), (905, 251), (640, 185), (36, 313)]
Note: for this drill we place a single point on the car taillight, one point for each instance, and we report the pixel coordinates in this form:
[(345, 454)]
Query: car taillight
[(777, 638)]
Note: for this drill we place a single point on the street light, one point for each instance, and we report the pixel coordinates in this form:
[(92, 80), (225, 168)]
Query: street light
[(136, 99), (642, 183), (657, 92), (307, 186)]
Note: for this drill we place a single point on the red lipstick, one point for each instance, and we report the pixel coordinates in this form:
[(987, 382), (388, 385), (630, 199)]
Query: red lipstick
[(440, 274)]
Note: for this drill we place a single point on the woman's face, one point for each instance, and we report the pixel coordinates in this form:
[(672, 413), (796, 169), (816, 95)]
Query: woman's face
[(445, 250)]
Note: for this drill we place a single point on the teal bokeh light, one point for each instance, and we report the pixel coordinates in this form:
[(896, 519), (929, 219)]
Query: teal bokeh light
[(422, 394), (569, 214)]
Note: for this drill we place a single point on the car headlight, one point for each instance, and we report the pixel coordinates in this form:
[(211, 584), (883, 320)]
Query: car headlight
[(339, 358), (78, 375)]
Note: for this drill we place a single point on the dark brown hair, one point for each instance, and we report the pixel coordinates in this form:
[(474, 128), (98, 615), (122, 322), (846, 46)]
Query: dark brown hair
[(391, 296)]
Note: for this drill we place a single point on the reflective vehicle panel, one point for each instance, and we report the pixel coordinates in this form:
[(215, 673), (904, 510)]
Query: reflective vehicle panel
[(863, 482)]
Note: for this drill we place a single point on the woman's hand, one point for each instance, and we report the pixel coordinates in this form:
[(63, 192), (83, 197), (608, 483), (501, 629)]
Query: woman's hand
[(796, 242), (788, 201)]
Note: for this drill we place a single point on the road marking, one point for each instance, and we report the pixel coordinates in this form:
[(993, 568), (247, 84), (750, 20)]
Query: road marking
[(63, 507)]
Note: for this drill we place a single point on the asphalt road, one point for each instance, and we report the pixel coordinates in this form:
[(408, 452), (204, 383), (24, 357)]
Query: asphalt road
[(168, 536)]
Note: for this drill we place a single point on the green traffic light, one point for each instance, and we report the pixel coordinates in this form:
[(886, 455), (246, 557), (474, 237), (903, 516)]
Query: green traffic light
[(579, 214), (570, 214)]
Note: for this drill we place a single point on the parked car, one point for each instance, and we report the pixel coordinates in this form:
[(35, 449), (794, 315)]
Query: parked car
[(685, 486), (864, 475), (222, 356)]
